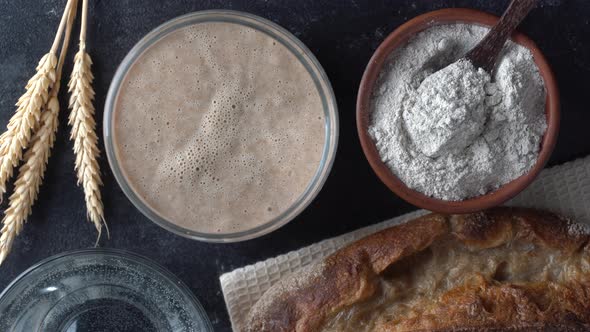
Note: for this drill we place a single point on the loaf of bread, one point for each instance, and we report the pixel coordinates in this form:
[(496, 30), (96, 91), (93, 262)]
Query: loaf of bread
[(506, 269)]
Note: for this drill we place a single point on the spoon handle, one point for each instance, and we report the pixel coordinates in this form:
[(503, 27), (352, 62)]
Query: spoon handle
[(485, 53)]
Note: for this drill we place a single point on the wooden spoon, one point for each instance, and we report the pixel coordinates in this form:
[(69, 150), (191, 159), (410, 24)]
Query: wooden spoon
[(485, 53)]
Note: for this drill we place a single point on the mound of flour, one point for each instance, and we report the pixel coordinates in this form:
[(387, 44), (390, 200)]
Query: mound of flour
[(458, 132)]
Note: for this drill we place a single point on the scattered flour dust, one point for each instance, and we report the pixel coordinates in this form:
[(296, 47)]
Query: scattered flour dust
[(450, 130)]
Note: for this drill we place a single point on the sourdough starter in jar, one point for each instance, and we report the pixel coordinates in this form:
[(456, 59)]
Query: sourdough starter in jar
[(218, 127)]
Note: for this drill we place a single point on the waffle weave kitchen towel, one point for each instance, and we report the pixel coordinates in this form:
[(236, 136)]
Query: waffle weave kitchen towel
[(563, 189)]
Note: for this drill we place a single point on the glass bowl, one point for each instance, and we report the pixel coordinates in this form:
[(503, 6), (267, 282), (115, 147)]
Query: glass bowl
[(302, 53), (99, 290)]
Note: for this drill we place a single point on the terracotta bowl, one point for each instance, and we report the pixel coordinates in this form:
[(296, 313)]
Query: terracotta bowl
[(398, 38)]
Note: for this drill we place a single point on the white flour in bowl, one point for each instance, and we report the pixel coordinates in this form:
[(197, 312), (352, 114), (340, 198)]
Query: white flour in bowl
[(458, 133)]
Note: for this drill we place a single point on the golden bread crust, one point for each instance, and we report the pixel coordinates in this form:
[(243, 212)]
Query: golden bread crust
[(506, 269)]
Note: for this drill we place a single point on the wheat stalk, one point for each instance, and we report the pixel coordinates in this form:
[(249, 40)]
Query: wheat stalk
[(26, 186), (28, 112), (84, 129)]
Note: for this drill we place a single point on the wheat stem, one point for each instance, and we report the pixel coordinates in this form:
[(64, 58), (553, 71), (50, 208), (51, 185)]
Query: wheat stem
[(26, 187), (60, 29), (84, 23), (64, 48), (84, 130)]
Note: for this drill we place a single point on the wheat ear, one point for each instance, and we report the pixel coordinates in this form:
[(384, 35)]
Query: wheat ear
[(27, 117), (30, 176), (84, 129), (28, 112)]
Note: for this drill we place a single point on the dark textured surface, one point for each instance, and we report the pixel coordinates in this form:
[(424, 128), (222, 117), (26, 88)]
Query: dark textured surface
[(342, 34)]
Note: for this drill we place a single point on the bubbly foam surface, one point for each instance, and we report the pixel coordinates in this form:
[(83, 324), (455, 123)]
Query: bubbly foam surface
[(219, 128)]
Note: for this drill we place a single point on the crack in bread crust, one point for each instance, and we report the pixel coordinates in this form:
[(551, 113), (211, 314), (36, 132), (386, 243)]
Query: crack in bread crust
[(504, 269)]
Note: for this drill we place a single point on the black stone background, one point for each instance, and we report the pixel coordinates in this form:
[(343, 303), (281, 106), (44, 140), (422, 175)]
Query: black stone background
[(341, 33)]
